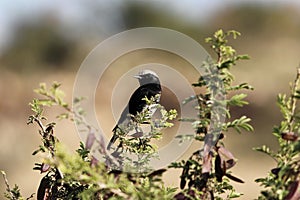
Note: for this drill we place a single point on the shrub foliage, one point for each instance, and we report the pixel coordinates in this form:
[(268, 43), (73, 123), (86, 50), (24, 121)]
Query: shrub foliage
[(205, 174)]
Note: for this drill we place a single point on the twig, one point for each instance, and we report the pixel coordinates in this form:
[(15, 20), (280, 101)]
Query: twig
[(31, 196), (294, 100), (7, 185), (38, 121)]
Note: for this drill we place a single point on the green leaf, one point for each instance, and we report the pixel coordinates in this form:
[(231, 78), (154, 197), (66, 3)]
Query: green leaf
[(234, 194), (265, 149), (241, 86), (63, 116), (238, 124), (189, 99), (242, 57), (183, 138), (234, 33), (237, 100), (219, 34)]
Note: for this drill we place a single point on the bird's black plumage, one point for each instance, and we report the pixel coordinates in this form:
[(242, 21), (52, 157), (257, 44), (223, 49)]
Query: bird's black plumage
[(137, 102), (149, 87)]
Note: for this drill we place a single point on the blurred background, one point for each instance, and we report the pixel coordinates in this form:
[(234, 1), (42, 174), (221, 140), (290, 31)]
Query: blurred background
[(46, 41)]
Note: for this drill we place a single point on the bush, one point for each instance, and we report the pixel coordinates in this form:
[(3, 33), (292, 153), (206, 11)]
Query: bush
[(205, 174)]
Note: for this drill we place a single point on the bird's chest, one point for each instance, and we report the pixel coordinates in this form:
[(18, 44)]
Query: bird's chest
[(147, 109)]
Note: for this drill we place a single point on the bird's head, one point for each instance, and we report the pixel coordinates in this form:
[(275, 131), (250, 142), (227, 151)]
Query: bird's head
[(147, 76)]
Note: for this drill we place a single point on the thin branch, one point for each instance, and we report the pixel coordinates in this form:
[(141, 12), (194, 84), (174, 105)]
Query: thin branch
[(77, 116), (7, 185), (38, 121), (31, 196), (294, 100)]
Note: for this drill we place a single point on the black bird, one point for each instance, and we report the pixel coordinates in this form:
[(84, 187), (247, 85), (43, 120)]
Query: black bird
[(149, 87)]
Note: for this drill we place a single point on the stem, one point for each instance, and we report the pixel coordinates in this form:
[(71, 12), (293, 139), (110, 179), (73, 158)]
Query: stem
[(294, 100), (38, 121), (77, 116), (7, 185)]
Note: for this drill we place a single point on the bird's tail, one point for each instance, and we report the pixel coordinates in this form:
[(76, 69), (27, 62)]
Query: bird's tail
[(113, 138)]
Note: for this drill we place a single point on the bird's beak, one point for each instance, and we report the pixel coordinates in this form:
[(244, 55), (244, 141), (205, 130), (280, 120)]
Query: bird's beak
[(137, 76)]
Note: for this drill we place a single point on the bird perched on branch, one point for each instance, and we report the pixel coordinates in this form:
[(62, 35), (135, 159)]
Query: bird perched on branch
[(150, 88)]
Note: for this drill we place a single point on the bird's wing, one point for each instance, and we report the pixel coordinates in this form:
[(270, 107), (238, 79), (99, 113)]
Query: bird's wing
[(125, 115), (123, 120)]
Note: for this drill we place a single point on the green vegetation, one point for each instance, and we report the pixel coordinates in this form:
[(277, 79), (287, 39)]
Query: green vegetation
[(205, 175), (283, 181)]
